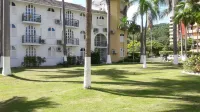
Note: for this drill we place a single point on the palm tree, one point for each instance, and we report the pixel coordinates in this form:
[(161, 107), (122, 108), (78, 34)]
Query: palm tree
[(87, 68), (185, 13), (64, 35), (6, 38), (133, 28), (171, 8), (124, 27), (108, 31), (145, 7)]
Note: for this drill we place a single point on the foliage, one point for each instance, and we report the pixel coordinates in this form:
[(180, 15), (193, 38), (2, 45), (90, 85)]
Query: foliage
[(166, 53), (33, 61), (73, 60), (129, 58), (192, 64), (156, 47), (95, 57), (134, 44)]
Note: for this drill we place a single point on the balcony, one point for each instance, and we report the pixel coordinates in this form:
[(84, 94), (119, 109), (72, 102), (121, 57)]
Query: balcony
[(31, 18), (32, 40), (73, 42), (100, 44), (72, 23)]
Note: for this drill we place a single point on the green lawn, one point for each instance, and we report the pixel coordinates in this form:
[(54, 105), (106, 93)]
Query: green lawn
[(115, 88)]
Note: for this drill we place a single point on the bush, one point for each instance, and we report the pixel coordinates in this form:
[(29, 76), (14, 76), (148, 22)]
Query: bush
[(95, 57), (33, 61), (130, 58), (192, 64), (165, 53)]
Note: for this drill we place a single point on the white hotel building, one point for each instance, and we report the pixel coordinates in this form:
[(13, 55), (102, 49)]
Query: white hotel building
[(36, 30)]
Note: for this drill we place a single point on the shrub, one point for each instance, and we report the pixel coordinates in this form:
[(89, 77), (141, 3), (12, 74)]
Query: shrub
[(165, 53), (192, 64), (33, 61), (95, 57)]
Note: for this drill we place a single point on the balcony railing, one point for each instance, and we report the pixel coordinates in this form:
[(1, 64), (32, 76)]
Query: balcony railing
[(32, 39), (72, 22), (73, 41), (27, 17), (100, 43)]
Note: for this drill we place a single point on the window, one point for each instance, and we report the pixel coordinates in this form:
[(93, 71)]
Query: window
[(121, 52), (121, 37), (69, 15), (30, 51), (13, 52), (51, 52), (82, 16), (13, 30), (100, 20), (50, 13), (50, 10), (82, 35), (51, 32), (69, 35), (13, 8), (82, 51)]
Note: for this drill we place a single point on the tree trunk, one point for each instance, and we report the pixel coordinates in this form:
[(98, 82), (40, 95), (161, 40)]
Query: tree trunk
[(1, 32), (87, 68), (185, 57), (198, 38), (175, 62), (144, 43), (141, 40), (133, 47), (6, 38), (181, 42), (64, 35), (108, 32)]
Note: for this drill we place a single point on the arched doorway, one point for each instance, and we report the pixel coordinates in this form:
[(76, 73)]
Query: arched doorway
[(100, 43)]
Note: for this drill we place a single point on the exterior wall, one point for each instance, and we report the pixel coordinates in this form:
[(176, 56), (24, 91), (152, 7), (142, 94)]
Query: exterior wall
[(42, 30), (48, 20), (115, 38)]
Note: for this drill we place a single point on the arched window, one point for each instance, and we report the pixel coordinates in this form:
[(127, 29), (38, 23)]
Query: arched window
[(13, 52), (13, 8), (13, 30), (30, 51), (82, 52), (50, 10), (51, 32), (121, 37), (51, 51), (82, 35), (100, 20), (13, 4)]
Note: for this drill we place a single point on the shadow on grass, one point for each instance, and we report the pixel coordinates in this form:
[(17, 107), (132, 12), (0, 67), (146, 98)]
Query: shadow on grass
[(21, 104), (164, 89)]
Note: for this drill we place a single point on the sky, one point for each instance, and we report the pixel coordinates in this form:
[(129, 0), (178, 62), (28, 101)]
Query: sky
[(130, 12)]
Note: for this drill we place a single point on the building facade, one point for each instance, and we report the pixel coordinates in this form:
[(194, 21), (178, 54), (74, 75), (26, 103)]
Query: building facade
[(36, 30)]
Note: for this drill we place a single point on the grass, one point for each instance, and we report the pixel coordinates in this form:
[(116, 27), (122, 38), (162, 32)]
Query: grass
[(115, 88)]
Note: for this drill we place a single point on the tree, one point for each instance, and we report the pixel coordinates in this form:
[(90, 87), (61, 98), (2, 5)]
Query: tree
[(124, 27), (108, 31), (6, 37), (133, 28), (87, 68), (185, 13), (145, 7), (171, 8), (64, 35)]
